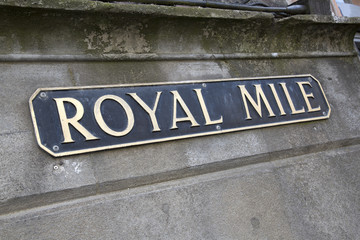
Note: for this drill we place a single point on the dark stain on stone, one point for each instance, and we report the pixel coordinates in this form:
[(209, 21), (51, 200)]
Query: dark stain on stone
[(255, 223), (165, 208)]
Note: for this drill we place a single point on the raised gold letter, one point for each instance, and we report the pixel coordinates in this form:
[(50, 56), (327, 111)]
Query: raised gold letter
[(307, 96), (74, 121), (100, 121), (257, 106), (204, 109), (293, 110), (150, 111), (190, 117), (277, 99)]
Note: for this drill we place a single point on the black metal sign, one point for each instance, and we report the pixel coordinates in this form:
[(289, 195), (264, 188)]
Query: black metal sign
[(84, 119)]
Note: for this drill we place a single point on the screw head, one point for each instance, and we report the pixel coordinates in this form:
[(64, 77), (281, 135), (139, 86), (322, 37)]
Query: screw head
[(218, 127), (55, 148), (56, 167), (43, 95), (204, 84)]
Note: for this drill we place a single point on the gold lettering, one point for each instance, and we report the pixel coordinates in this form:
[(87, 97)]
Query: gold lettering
[(150, 111), (190, 117), (293, 110), (100, 121), (277, 99), (204, 109), (307, 96), (257, 106), (74, 121)]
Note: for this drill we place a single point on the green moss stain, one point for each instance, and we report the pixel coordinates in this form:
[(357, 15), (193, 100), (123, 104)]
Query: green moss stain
[(72, 76)]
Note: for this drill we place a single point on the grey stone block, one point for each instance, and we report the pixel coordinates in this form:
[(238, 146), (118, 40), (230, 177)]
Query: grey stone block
[(18, 83), (294, 181), (157, 158), (305, 197)]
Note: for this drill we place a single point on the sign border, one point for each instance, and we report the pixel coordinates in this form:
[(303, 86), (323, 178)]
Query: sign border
[(62, 154)]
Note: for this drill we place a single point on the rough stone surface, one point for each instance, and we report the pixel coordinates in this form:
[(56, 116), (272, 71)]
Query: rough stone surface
[(297, 181), (305, 197)]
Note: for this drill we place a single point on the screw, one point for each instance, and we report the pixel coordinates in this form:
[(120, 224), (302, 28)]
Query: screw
[(324, 113), (56, 167), (43, 95), (218, 127), (204, 84), (56, 148)]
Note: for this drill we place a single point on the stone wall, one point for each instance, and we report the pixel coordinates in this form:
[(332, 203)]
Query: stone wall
[(298, 181)]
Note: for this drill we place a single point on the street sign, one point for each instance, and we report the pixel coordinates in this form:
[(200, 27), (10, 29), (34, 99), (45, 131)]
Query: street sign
[(76, 120)]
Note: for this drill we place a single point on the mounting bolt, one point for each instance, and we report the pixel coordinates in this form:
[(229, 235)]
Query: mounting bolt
[(43, 95), (218, 127), (204, 84), (56, 167), (55, 148), (324, 113)]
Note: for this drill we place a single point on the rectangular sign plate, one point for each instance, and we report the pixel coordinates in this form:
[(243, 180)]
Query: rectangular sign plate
[(85, 119)]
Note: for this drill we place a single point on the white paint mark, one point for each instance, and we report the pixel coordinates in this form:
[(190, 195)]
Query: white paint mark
[(76, 166)]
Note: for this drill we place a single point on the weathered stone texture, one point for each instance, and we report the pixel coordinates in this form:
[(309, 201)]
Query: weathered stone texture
[(305, 197), (297, 181)]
